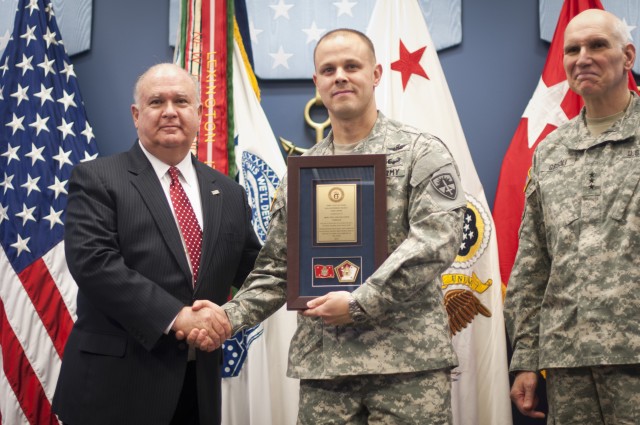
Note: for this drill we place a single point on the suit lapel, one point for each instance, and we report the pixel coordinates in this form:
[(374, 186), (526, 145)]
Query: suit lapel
[(212, 198), (145, 180)]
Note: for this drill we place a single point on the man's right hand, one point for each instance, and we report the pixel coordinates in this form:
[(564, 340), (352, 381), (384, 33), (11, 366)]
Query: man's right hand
[(205, 325), (523, 394)]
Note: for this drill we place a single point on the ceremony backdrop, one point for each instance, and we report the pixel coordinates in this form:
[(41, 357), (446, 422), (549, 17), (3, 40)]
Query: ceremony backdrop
[(491, 75)]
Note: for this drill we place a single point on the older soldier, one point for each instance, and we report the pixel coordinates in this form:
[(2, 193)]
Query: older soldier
[(382, 353), (573, 305)]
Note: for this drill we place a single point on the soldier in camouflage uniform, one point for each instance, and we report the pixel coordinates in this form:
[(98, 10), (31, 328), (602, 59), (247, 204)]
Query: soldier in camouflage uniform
[(383, 353), (573, 301)]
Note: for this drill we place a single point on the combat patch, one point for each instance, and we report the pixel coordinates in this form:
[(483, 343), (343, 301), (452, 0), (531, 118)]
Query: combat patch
[(445, 185)]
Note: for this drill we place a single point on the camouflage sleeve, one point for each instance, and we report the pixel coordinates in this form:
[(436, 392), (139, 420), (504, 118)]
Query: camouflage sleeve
[(436, 205), (265, 289), (527, 284)]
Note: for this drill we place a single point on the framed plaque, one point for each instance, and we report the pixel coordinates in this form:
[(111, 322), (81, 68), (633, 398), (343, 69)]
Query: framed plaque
[(337, 223)]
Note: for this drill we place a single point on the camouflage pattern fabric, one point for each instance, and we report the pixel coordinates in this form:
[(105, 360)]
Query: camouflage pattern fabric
[(407, 327), (401, 399), (594, 395), (573, 297)]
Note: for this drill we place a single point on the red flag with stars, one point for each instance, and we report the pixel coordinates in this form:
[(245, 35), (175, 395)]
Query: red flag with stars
[(552, 105), (413, 89)]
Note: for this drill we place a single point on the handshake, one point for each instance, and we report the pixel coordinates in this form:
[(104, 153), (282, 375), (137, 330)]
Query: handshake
[(204, 325)]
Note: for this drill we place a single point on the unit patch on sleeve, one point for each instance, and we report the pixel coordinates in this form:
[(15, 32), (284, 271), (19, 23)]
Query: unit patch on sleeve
[(445, 185)]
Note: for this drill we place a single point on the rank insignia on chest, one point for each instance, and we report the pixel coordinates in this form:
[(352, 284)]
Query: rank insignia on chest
[(445, 185)]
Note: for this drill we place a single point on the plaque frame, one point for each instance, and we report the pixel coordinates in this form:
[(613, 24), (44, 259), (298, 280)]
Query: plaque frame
[(370, 176)]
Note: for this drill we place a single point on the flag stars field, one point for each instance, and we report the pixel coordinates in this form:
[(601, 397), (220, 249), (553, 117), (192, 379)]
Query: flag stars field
[(53, 218), (35, 154), (66, 129), (33, 5), (47, 65), (88, 133), (313, 32), (50, 38), (6, 183), (28, 35), (40, 124), (31, 184), (21, 245), (67, 100), (280, 58), (26, 214), (11, 153), (5, 66), (3, 213), (20, 94), (16, 123), (281, 9), (344, 7), (68, 70), (58, 187), (25, 65), (44, 94), (63, 157)]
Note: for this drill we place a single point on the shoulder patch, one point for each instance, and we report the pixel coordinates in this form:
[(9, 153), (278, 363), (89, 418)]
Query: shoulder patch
[(529, 187), (445, 185), (445, 189)]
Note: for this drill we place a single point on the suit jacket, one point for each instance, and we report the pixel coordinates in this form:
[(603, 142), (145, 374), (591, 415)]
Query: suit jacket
[(124, 251)]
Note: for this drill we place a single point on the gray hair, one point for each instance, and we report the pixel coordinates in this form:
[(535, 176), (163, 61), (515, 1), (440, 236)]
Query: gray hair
[(193, 78)]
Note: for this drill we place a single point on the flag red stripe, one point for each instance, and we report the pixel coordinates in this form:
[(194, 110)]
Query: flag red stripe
[(22, 378), (48, 303)]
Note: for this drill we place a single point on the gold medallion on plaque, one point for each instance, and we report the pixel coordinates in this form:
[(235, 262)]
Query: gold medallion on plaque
[(336, 194)]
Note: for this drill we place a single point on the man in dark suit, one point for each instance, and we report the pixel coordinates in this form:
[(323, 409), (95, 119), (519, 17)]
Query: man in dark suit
[(139, 269)]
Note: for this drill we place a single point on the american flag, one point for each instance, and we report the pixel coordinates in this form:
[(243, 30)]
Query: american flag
[(43, 133)]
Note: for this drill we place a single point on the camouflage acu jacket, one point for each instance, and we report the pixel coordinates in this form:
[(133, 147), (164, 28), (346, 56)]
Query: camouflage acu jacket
[(573, 297), (407, 328)]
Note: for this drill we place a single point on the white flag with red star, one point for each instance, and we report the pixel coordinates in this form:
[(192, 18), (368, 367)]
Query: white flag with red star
[(414, 90)]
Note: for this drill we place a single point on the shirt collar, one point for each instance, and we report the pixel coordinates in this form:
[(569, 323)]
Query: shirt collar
[(185, 166)]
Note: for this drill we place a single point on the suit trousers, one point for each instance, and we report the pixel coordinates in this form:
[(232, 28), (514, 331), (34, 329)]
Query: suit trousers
[(187, 410)]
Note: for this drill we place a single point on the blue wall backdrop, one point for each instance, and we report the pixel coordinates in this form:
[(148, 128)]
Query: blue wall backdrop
[(491, 74)]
